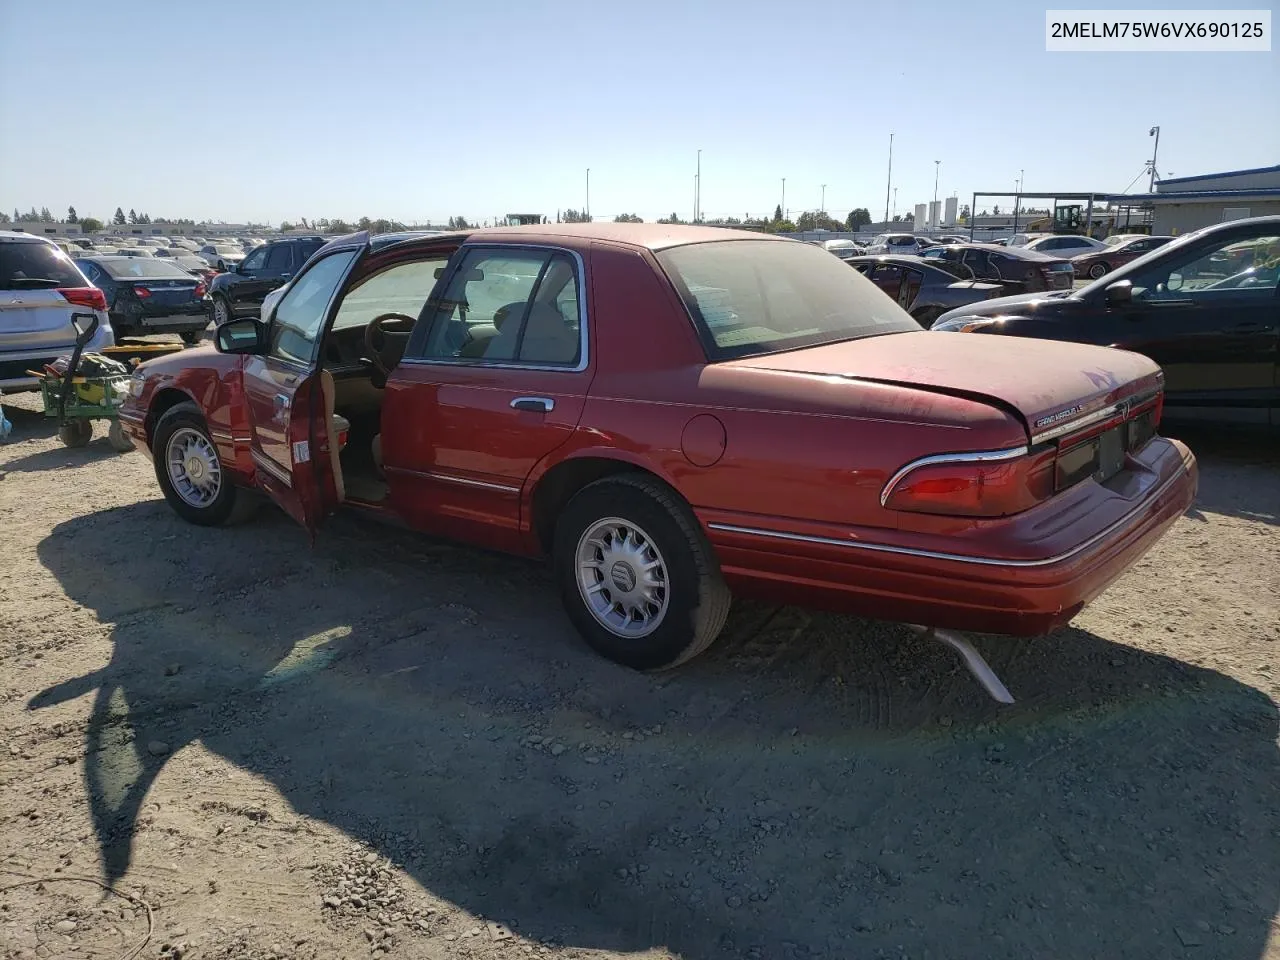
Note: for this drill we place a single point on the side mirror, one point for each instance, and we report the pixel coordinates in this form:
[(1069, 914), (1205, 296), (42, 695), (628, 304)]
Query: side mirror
[(1120, 294), (248, 336)]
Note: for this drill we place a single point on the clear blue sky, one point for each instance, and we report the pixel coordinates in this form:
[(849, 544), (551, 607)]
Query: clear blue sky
[(416, 110)]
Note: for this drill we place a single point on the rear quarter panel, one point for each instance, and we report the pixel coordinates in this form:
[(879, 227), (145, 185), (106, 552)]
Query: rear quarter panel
[(743, 444)]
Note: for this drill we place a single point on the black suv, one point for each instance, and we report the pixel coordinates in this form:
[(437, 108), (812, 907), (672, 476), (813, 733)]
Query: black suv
[(240, 291)]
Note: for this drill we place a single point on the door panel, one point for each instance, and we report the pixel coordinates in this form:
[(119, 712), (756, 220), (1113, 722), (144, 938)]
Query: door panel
[(290, 450), (459, 453)]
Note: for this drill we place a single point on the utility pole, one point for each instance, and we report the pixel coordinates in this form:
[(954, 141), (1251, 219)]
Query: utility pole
[(823, 206), (587, 211), (1153, 132), (937, 169), (888, 180), (783, 204), (895, 201)]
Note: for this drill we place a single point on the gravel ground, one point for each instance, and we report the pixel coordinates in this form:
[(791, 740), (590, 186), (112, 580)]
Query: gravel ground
[(385, 745)]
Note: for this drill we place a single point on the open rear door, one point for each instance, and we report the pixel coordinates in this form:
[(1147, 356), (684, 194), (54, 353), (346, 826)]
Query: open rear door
[(293, 445)]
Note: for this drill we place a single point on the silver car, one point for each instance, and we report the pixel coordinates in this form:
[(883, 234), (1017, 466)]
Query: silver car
[(40, 289)]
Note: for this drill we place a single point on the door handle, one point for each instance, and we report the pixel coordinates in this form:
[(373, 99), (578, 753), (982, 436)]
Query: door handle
[(533, 404)]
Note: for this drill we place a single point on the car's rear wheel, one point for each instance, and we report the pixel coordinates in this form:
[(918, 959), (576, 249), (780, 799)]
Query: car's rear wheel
[(221, 311), (75, 433), (1098, 270), (637, 577), (191, 337), (190, 473)]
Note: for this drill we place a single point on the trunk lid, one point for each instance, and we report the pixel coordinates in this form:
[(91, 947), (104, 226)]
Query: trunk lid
[(35, 320), (1048, 383), (168, 292)]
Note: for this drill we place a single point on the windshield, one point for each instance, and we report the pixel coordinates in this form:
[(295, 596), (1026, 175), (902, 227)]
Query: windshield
[(143, 267), (225, 249), (750, 297)]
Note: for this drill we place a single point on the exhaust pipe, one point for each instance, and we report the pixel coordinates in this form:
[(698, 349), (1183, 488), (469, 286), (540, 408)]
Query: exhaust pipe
[(979, 667)]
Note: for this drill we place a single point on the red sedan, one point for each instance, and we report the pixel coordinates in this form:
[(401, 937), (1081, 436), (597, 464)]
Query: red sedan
[(672, 414)]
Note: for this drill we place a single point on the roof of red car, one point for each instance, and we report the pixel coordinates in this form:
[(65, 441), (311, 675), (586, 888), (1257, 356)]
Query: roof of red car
[(655, 236)]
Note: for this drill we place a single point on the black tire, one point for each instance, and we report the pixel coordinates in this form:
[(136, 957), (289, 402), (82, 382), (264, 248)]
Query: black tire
[(696, 595), (75, 433), (231, 504), (222, 312), (120, 441), (191, 337), (1098, 271)]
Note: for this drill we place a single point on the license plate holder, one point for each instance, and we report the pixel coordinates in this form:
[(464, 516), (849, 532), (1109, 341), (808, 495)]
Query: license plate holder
[(1111, 452)]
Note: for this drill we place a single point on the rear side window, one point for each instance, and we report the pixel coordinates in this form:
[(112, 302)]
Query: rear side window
[(306, 248), (36, 266), (279, 257), (514, 306)]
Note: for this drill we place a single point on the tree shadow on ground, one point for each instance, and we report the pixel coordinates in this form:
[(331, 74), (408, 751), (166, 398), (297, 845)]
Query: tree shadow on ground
[(818, 786)]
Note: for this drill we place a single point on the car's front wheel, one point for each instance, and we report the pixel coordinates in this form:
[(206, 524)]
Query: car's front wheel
[(637, 576), (221, 311), (1098, 270), (190, 473)]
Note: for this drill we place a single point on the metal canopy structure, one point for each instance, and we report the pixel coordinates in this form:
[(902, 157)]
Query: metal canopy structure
[(1018, 197)]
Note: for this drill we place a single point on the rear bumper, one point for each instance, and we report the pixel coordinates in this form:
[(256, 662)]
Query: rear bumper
[(179, 320), (1026, 596), (14, 364)]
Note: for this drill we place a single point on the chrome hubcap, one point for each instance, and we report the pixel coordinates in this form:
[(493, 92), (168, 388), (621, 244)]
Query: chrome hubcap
[(193, 467), (220, 313), (622, 578)]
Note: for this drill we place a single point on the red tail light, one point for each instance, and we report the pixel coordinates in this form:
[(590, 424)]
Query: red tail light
[(994, 484), (90, 297), (141, 293), (200, 290)]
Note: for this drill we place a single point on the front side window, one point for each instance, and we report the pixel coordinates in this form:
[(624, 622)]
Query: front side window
[(1249, 266), (506, 305), (254, 261), (300, 314), (749, 297)]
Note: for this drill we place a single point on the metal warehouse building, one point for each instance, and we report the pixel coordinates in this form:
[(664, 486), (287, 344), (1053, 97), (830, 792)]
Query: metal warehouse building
[(1183, 204)]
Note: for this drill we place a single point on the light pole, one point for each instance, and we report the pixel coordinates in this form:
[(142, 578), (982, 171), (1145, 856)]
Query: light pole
[(783, 205), (895, 201), (587, 211), (1153, 132), (823, 206), (888, 180), (697, 193), (937, 168)]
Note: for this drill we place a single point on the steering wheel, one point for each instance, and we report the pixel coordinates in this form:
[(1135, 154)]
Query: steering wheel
[(380, 332)]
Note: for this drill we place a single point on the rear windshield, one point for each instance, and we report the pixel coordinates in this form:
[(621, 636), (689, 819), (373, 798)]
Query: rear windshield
[(28, 265), (143, 267), (750, 297)]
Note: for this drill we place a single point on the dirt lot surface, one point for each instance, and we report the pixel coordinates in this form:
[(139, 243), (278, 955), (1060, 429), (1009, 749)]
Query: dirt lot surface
[(390, 746)]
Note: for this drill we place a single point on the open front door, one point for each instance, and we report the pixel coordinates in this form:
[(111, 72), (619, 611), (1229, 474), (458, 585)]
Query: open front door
[(292, 440)]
